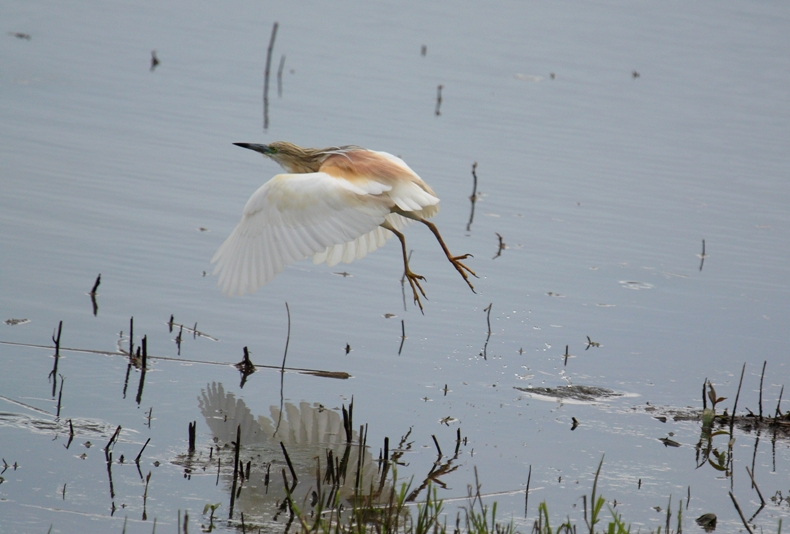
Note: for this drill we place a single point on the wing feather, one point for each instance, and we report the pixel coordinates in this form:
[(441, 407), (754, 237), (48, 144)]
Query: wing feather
[(293, 217), (363, 245)]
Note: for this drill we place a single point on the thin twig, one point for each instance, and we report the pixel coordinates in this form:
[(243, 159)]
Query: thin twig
[(745, 524), (436, 442), (402, 336), (751, 475), (288, 461), (304, 370), (472, 197), (762, 375), (484, 352), (112, 439), (439, 99), (735, 406), (526, 497), (282, 370), (54, 372), (191, 435), (60, 395), (288, 337), (235, 471), (95, 285), (137, 460)]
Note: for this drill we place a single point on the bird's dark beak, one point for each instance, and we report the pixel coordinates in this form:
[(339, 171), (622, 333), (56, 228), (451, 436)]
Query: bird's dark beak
[(263, 149)]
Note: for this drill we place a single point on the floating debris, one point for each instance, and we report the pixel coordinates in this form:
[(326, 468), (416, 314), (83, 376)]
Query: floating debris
[(591, 343), (669, 442), (14, 322), (572, 392), (707, 522)]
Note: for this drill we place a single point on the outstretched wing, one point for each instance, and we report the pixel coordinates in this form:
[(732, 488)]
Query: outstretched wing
[(361, 246), (293, 217)]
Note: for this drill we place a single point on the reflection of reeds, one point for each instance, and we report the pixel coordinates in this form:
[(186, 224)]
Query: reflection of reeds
[(266, 77)]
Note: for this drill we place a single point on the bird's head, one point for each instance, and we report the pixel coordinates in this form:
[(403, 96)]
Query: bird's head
[(291, 157)]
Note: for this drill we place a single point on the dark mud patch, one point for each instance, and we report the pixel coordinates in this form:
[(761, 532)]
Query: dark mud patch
[(573, 392), (779, 424)]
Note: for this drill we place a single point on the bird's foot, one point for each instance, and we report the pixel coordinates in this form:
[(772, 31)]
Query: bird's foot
[(463, 269), (414, 282)]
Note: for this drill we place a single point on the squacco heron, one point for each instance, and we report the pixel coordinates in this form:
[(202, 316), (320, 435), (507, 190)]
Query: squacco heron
[(335, 204)]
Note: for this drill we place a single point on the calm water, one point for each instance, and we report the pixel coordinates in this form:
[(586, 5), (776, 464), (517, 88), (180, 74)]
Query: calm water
[(602, 185)]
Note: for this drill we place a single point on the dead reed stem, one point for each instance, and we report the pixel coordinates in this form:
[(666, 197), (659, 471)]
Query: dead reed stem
[(735, 405)]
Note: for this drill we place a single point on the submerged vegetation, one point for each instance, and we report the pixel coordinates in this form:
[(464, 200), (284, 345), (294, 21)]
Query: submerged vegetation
[(397, 516)]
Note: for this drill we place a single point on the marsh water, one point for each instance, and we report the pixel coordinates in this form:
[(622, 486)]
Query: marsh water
[(611, 138)]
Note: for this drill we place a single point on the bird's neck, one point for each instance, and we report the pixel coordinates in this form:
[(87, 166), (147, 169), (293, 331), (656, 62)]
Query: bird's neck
[(311, 159), (301, 167)]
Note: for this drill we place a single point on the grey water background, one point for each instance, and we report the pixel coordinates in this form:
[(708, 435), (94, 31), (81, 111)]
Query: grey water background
[(601, 184)]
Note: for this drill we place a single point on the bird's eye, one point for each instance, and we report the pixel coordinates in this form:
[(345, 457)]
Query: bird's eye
[(273, 150)]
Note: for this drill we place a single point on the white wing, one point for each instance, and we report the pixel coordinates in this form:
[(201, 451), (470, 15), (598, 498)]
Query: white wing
[(361, 246), (293, 217)]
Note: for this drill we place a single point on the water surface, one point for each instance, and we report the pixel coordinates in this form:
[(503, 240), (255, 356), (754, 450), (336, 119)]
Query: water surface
[(601, 183)]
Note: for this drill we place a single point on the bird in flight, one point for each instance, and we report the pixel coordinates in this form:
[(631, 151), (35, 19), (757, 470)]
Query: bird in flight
[(334, 204)]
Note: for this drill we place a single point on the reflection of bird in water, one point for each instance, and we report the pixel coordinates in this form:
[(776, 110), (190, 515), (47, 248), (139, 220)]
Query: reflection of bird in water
[(335, 204), (308, 432)]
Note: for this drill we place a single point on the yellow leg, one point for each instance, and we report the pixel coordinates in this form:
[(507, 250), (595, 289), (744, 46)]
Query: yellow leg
[(414, 279), (455, 260)]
